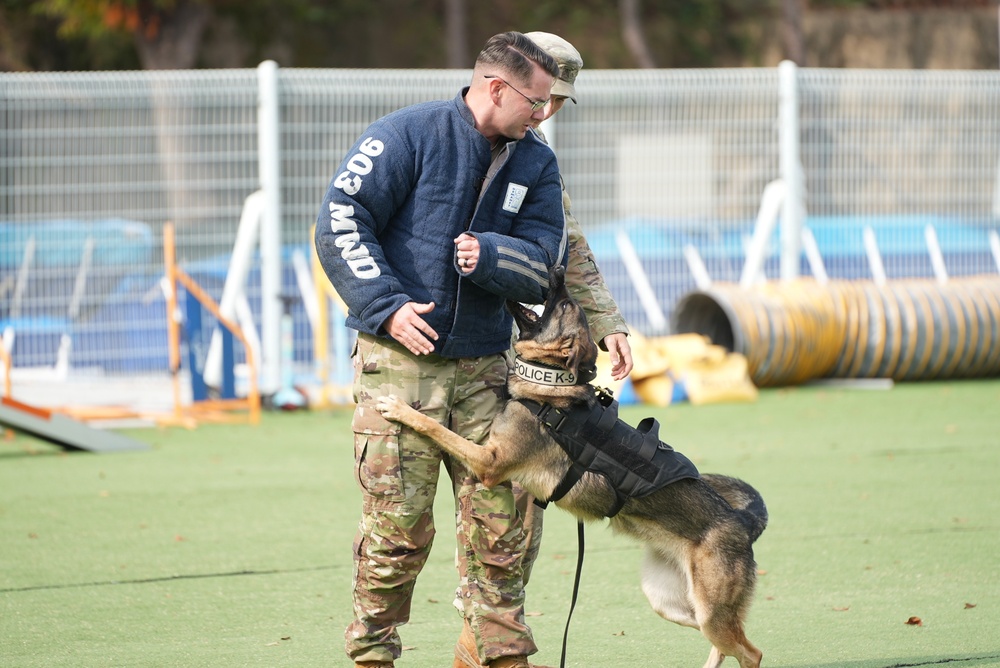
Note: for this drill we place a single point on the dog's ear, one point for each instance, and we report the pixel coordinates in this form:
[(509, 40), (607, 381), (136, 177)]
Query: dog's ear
[(572, 353), (581, 360)]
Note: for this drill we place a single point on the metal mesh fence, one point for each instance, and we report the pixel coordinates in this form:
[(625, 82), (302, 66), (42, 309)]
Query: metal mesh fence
[(669, 159), (896, 151), (93, 164)]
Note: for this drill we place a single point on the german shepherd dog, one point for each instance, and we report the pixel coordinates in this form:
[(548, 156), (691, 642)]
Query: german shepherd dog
[(699, 568)]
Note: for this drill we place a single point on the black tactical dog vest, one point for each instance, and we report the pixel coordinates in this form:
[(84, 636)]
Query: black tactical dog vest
[(633, 459)]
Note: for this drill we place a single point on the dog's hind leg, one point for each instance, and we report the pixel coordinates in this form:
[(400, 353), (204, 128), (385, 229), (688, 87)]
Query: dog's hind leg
[(721, 589), (665, 585), (733, 639), (715, 658)]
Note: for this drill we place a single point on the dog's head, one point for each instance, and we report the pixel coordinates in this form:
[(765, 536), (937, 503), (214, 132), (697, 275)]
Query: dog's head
[(560, 336)]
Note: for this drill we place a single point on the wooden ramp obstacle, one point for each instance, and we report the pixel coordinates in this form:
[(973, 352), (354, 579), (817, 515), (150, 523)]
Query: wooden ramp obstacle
[(62, 430), (54, 427)]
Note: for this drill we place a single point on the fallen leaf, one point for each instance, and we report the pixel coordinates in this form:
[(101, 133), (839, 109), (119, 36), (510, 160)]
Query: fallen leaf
[(407, 648), (969, 605), (620, 633), (769, 598), (433, 600), (914, 621), (843, 609), (533, 614), (761, 571), (179, 538), (286, 637), (32, 535), (558, 556), (272, 644)]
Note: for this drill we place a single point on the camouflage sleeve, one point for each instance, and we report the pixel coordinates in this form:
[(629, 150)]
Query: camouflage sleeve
[(586, 285)]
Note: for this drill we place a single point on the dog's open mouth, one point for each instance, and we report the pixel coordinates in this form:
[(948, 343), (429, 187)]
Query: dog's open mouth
[(528, 322)]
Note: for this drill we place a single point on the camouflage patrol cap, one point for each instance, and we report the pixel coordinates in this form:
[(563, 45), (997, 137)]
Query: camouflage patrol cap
[(566, 55)]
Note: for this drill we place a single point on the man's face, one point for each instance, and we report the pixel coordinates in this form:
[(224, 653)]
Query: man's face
[(556, 103), (516, 116)]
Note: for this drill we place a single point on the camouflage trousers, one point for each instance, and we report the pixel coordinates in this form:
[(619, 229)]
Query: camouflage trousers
[(532, 516), (397, 471)]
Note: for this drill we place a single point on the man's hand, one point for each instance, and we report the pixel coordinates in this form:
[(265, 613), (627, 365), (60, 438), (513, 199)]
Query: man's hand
[(621, 355), (467, 252), (407, 327)]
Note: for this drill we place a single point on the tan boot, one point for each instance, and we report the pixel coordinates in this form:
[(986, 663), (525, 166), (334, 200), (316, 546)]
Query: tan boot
[(519, 661), (466, 654), (374, 664)]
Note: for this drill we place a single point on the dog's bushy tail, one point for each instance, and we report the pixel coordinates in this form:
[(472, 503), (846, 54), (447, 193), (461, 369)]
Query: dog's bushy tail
[(743, 498)]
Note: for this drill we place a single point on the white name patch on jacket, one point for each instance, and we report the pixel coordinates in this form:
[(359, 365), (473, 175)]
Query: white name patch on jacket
[(515, 197)]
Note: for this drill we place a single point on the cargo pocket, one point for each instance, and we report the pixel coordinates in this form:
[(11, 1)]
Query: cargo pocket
[(376, 450), (377, 467)]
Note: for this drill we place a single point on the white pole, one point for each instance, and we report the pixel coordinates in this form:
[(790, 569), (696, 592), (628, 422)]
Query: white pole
[(814, 256), (937, 258), (995, 247), (996, 188), (247, 235), (244, 317), (697, 267), (793, 210), (647, 297), (874, 257), (771, 201), (269, 156)]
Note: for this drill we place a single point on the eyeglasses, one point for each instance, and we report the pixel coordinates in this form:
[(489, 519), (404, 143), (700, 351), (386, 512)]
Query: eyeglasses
[(535, 104)]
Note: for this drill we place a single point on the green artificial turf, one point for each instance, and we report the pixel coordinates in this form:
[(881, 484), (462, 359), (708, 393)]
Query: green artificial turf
[(230, 545)]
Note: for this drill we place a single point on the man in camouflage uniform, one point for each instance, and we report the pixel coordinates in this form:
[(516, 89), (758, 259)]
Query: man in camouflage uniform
[(583, 278), (439, 213), (607, 326)]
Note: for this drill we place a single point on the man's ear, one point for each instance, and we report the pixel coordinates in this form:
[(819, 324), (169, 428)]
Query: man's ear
[(494, 87)]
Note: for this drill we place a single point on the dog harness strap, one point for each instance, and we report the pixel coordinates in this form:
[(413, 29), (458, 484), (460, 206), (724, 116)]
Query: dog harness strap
[(633, 460), (651, 439), (572, 477), (554, 419), (551, 416), (581, 451)]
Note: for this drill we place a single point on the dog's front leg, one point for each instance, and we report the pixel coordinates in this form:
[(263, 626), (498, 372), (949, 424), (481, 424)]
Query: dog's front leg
[(479, 458)]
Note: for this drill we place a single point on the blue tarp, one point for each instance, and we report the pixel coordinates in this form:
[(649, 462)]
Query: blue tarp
[(60, 243), (836, 236)]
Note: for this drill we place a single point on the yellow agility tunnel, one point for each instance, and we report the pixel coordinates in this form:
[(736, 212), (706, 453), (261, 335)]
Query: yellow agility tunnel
[(796, 331)]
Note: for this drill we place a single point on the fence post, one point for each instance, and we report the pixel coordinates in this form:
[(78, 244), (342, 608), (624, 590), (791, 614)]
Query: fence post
[(269, 166), (790, 163)]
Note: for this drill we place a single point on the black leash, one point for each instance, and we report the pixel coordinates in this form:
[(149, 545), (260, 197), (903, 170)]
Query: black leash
[(576, 590)]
